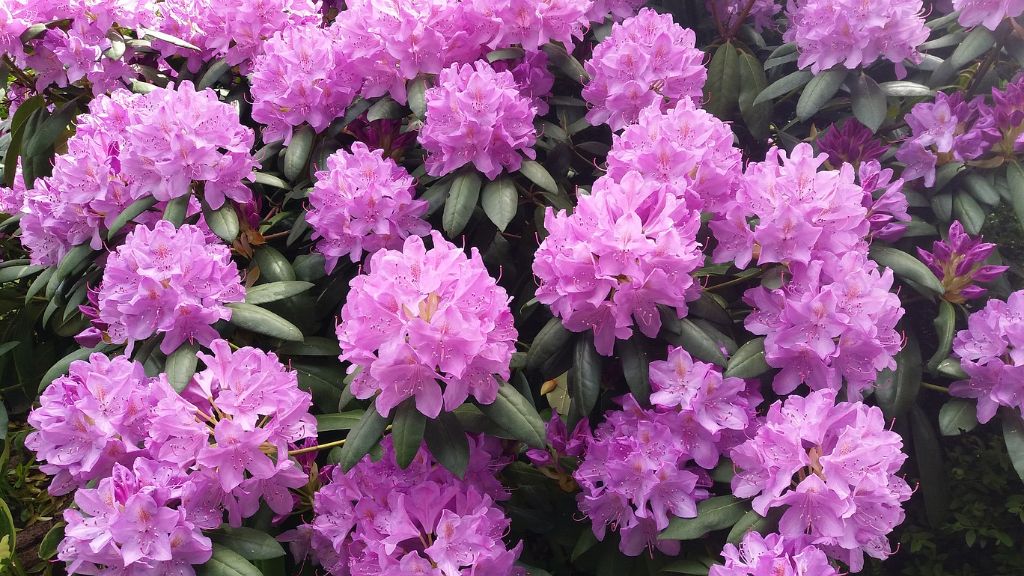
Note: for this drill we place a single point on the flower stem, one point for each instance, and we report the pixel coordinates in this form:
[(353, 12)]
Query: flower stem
[(935, 387), (316, 448)]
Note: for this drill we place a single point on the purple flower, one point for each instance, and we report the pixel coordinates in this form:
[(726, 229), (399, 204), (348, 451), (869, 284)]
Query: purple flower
[(852, 143), (647, 60), (959, 262), (991, 352), (760, 13), (560, 441), (166, 281), (1007, 115), (362, 203), (420, 317), (772, 555), (533, 23), (477, 115), (988, 13), (600, 10), (628, 247), (832, 469), (532, 77), (883, 197), (856, 33)]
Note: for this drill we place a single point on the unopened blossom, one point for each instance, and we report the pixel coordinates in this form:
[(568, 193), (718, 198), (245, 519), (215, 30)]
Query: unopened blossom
[(381, 519), (991, 352), (733, 13), (133, 522), (832, 323), (532, 77), (832, 470), (856, 33), (361, 203), (852, 143), (1007, 116), (163, 280), (628, 247), (302, 76), (419, 318), (647, 60), (637, 471), (235, 421), (959, 263), (885, 201), (477, 115), (561, 442), (802, 213), (950, 129), (686, 149), (772, 555), (988, 13), (93, 417)]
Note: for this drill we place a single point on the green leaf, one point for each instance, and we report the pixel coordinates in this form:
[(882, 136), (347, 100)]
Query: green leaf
[(3, 421), (71, 261), (978, 41), (248, 543), (819, 91), (181, 365), (223, 221), (982, 191), (722, 87), (265, 179), (214, 73), (407, 432), (715, 513), (897, 389), (61, 366), (417, 96), (548, 350), (750, 522), (950, 368), (261, 321), (903, 89), (932, 472), (177, 209), (47, 133), (8, 346), (12, 273), (500, 201), (48, 547), (698, 342), (129, 214), (362, 438), (748, 361), (227, 562), (539, 175), (635, 368), (967, 210), (942, 205), (945, 329), (274, 267), (690, 567), (869, 105), (296, 155), (565, 62), (462, 200), (274, 291), (155, 34), (7, 527), (384, 108), (584, 379), (338, 421), (1015, 182), (907, 267), (311, 346), (957, 416), (505, 54), (514, 414), (447, 443), (784, 85), (1013, 436), (753, 81), (19, 122)]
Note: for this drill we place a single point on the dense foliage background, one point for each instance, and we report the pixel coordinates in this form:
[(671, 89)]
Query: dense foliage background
[(966, 515)]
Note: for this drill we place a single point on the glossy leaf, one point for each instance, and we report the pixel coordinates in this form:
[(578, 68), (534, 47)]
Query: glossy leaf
[(1013, 436), (181, 365), (753, 81), (223, 221), (248, 543), (274, 291), (784, 85), (967, 210), (748, 361), (296, 155), (584, 379), (699, 343), (129, 214), (715, 513), (500, 201), (1015, 182), (539, 175), (227, 562), (945, 329), (869, 105), (362, 438), (513, 413), (957, 416), (262, 321), (462, 200), (274, 267), (447, 443), (928, 455), (548, 349), (721, 89), (907, 267), (819, 91), (407, 432), (635, 368), (897, 389)]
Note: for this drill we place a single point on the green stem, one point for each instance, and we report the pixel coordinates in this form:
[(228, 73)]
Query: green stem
[(935, 387), (317, 448)]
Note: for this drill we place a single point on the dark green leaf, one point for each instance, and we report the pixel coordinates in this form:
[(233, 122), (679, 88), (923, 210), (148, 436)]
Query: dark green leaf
[(957, 416), (407, 432), (698, 342), (584, 379), (383, 109), (362, 437), (7, 527), (868, 101), (248, 543), (539, 175), (8, 346), (146, 33), (1015, 183), (1013, 436), (462, 200), (274, 291), (897, 389), (12, 273), (261, 321), (757, 117), (950, 368), (722, 87), (311, 346), (227, 562), (690, 567), (447, 443), (900, 88), (928, 454), (47, 133), (548, 349), (514, 414), (784, 85), (129, 214), (19, 122), (338, 421), (48, 547), (500, 201), (905, 266), (748, 361), (214, 73), (715, 513), (750, 522), (265, 179), (73, 260), (417, 96), (819, 91), (977, 42), (635, 368), (945, 329), (967, 210), (942, 205), (274, 267), (223, 221), (177, 209), (505, 54), (565, 62), (181, 365), (982, 191), (61, 367), (296, 155)]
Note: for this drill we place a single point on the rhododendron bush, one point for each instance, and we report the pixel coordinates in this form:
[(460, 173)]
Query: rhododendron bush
[(503, 287)]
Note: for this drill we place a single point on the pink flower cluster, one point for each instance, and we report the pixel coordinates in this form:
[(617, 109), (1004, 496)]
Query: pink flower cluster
[(363, 203), (616, 9), (991, 352), (772, 555), (380, 519), (301, 77), (532, 77), (959, 262), (628, 247), (1007, 115), (423, 316), (832, 469), (167, 281), (686, 149), (760, 13), (856, 33), (948, 129), (885, 201), (477, 115), (988, 13), (647, 60), (533, 23)]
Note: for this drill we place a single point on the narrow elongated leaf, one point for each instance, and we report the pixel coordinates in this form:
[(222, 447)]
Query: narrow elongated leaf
[(977, 42), (748, 361), (265, 179), (539, 175), (907, 267), (214, 73), (566, 62), (129, 214), (275, 291), (177, 209), (337, 421), (261, 321), (584, 379), (869, 106), (982, 191), (950, 368), (928, 454), (157, 35), (311, 346), (417, 96), (12, 273), (447, 443), (462, 200), (248, 543), (362, 438), (715, 513), (61, 366), (904, 89), (1013, 436), (547, 349), (407, 432), (753, 81), (699, 343), (818, 91), (72, 261), (514, 414), (181, 365), (500, 201), (784, 85), (51, 128), (635, 368), (750, 522), (945, 329), (722, 87), (690, 567), (957, 416), (274, 267), (967, 210), (48, 547), (384, 108), (227, 562), (897, 389), (296, 155), (19, 121), (223, 221), (1015, 184)]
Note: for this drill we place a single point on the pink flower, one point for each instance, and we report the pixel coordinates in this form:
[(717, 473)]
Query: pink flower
[(363, 203), (421, 317), (533, 23), (647, 60), (477, 115), (772, 555), (988, 13)]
